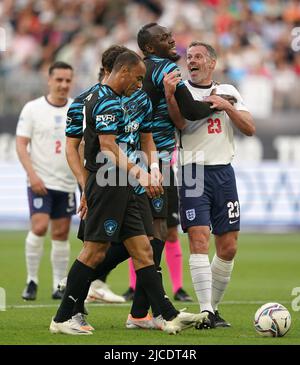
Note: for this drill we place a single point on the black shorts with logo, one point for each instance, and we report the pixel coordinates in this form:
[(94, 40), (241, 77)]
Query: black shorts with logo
[(113, 213), (159, 205), (166, 206), (146, 216)]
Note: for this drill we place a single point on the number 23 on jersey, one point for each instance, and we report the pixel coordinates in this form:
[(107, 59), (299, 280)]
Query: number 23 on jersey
[(214, 126)]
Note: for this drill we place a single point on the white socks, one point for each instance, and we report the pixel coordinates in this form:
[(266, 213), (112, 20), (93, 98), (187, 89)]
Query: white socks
[(202, 280), (33, 252), (60, 253), (210, 281), (221, 273)]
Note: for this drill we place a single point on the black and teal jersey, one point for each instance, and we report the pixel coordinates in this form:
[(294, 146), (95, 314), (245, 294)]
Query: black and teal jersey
[(104, 115), (125, 117), (137, 111), (137, 115), (163, 127), (75, 117)]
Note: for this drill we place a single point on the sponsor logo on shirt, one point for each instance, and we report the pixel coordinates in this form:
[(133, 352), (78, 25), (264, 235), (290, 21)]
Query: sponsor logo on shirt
[(105, 119)]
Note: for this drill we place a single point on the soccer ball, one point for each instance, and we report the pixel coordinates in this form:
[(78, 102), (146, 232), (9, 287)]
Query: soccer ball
[(272, 320)]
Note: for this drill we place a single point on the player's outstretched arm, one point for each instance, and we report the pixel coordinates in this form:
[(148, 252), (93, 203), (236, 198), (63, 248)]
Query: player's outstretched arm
[(191, 109)]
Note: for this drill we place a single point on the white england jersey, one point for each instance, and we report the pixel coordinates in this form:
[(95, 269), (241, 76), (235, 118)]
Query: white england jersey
[(209, 142), (45, 124)]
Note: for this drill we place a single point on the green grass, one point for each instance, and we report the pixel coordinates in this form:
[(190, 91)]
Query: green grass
[(267, 268)]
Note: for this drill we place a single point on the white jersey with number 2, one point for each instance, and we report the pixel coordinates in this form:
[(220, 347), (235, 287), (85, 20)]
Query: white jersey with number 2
[(44, 124), (210, 141)]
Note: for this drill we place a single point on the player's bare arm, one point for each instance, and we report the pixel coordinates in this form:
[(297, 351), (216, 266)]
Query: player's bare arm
[(240, 118), (170, 82), (35, 181), (74, 160), (109, 146)]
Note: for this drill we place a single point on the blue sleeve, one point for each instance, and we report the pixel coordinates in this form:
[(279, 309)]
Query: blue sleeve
[(146, 126), (107, 114), (158, 74), (74, 125)]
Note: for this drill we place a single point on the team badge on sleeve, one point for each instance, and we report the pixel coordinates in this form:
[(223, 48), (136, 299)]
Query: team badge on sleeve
[(190, 214), (131, 106), (110, 227)]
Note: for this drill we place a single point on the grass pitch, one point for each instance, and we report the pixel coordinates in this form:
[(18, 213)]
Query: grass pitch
[(267, 268)]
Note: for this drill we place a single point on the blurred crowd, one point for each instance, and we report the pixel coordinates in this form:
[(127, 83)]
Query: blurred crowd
[(256, 42)]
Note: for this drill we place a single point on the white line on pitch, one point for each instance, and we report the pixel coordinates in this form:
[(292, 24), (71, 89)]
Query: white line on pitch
[(228, 302)]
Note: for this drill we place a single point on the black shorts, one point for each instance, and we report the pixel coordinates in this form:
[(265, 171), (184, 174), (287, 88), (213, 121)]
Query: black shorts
[(146, 216), (159, 205), (166, 206), (173, 216), (113, 213)]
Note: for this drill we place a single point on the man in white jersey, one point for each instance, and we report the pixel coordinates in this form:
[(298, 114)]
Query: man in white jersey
[(215, 205), (40, 146)]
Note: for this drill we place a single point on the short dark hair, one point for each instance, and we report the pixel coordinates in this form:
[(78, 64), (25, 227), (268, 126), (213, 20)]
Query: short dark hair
[(127, 58), (211, 51), (59, 64), (108, 58), (144, 36)]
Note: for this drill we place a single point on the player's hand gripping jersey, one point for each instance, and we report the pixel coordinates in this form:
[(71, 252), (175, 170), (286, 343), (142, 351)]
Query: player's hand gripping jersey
[(214, 134)]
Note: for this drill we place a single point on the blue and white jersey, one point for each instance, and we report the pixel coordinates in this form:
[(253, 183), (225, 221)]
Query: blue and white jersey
[(163, 127)]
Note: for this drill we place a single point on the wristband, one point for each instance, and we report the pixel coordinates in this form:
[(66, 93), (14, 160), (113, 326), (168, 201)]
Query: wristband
[(154, 165)]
